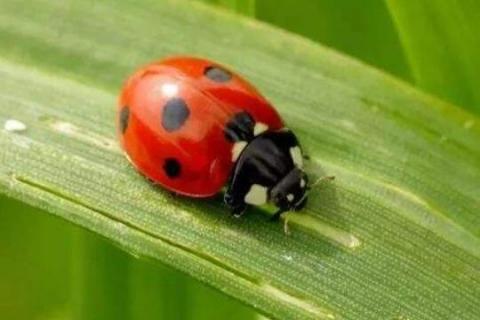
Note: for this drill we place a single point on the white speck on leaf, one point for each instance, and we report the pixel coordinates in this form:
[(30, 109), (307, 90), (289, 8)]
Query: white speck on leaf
[(12, 125)]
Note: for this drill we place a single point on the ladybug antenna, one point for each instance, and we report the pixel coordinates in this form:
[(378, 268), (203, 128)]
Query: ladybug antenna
[(320, 180)]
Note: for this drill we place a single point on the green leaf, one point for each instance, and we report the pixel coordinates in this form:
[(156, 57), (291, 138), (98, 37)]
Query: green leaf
[(29, 252), (395, 236), (245, 7), (363, 29), (99, 291), (442, 46)]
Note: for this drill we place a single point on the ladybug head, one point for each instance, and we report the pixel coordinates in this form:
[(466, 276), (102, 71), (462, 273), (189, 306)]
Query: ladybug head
[(289, 194), (269, 169)]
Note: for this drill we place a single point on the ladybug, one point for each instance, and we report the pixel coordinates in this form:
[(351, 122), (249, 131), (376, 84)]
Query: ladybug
[(193, 126)]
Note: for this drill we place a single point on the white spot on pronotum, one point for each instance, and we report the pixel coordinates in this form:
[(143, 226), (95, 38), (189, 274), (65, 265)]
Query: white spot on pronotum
[(237, 149), (257, 195), (259, 128), (290, 197), (170, 89), (12, 125), (302, 183), (297, 157)]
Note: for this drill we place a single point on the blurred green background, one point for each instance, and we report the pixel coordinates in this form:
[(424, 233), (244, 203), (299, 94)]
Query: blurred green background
[(50, 269), (47, 265)]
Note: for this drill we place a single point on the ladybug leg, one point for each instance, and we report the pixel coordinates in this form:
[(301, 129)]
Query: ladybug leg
[(239, 211), (234, 198), (286, 228), (276, 216)]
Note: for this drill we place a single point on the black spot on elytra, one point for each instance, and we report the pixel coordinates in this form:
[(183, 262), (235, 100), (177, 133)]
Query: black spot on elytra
[(240, 127), (174, 114), (124, 116), (172, 167), (217, 74)]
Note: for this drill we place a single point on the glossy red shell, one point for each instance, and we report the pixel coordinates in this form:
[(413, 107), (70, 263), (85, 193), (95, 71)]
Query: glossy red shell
[(199, 145)]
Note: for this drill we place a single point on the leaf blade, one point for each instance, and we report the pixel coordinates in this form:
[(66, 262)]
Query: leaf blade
[(442, 46), (68, 162), (360, 29)]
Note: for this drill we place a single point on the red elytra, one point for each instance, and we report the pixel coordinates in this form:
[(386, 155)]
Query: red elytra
[(173, 115)]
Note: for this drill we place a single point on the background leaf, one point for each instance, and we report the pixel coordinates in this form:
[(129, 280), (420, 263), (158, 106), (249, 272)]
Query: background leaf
[(442, 45), (28, 254), (395, 236), (51, 270), (362, 29)]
